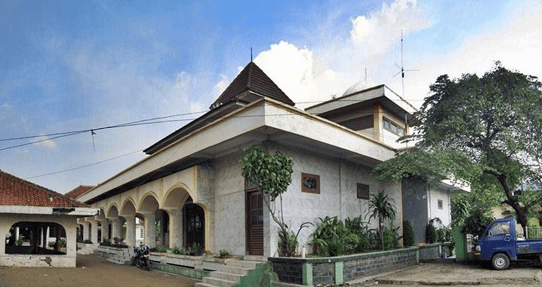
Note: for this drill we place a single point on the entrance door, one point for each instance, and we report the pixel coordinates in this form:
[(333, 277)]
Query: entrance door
[(194, 225), (254, 213)]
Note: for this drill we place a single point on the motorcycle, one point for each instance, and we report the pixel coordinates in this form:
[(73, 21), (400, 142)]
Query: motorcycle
[(141, 258)]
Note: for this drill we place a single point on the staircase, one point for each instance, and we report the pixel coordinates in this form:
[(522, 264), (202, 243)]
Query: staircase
[(123, 258), (118, 255), (232, 272)]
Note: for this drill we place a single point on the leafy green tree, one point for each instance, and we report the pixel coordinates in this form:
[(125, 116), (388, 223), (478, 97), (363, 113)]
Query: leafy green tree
[(272, 174), (485, 128), (382, 209)]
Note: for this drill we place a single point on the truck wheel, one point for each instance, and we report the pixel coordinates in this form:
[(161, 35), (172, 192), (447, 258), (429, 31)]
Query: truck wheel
[(500, 261)]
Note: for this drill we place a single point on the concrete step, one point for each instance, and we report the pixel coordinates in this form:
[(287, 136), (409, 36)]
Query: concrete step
[(226, 276), (243, 263), (235, 270), (201, 284), (255, 258), (218, 282)]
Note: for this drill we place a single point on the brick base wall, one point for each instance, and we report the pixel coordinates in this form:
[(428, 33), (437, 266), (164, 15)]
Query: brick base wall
[(312, 271)]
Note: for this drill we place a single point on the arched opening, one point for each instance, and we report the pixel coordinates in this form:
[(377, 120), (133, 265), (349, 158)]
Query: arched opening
[(36, 238), (194, 224)]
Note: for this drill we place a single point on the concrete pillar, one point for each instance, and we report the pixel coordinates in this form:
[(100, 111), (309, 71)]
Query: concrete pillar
[(130, 230), (105, 230), (175, 228), (94, 232), (116, 227), (86, 231), (150, 231)]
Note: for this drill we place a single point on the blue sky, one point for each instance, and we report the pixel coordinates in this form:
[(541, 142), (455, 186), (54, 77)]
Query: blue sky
[(80, 65)]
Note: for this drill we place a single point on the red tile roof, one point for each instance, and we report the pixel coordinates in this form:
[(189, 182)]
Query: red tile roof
[(17, 191), (78, 191)]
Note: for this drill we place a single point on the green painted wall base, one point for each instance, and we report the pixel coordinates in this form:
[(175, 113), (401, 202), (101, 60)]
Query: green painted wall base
[(307, 274), (339, 276), (262, 275)]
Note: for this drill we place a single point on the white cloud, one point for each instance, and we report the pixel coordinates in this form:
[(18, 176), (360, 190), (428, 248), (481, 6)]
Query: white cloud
[(317, 73), (44, 141), (380, 30)]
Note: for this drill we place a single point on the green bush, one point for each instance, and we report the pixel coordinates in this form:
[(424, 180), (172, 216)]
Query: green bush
[(196, 249), (431, 235), (389, 237), (182, 250), (161, 248), (51, 244), (332, 237), (409, 237)]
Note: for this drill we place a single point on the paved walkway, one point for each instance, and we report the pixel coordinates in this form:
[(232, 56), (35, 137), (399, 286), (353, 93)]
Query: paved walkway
[(456, 274), (90, 271)]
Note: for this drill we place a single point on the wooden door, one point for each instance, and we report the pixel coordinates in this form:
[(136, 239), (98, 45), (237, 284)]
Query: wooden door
[(254, 212), (194, 224)]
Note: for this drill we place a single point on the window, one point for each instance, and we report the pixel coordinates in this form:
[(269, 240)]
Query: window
[(363, 191), (360, 123), (440, 204), (499, 228), (310, 183), (393, 127), (141, 233)]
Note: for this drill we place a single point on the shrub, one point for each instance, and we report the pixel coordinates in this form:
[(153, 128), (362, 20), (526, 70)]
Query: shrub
[(196, 249), (431, 235), (332, 237), (106, 242), (19, 240), (181, 251), (409, 236), (51, 244), (161, 248), (224, 254), (87, 241)]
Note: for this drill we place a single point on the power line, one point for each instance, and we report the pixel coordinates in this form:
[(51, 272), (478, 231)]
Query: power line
[(83, 166)]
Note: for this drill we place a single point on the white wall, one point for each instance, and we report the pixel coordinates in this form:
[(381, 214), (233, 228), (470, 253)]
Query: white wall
[(436, 194), (69, 223)]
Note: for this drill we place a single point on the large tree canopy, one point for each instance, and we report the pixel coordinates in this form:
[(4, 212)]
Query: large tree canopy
[(493, 121)]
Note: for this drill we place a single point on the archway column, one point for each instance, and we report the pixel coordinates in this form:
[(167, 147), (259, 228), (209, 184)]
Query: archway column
[(130, 230), (105, 229), (150, 231), (86, 230), (175, 228), (116, 227), (94, 230)]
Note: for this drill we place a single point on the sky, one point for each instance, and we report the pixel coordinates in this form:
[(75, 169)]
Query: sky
[(86, 86)]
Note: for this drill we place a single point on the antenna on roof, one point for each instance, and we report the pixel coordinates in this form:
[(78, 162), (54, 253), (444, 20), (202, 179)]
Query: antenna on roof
[(402, 67), (251, 54)]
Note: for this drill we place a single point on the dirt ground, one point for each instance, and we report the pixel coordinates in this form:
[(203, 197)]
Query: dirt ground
[(90, 271), (455, 274)]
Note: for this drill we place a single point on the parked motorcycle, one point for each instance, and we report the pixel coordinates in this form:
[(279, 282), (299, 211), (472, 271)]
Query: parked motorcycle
[(141, 258)]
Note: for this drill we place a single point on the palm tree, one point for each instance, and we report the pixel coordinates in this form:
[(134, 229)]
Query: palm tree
[(382, 208)]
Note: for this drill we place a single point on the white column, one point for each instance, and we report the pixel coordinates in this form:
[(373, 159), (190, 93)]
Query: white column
[(94, 232), (150, 231), (105, 229), (130, 230), (116, 228), (86, 231), (175, 228)]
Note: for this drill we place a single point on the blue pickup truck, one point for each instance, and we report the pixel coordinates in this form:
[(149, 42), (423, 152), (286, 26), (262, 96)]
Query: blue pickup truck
[(500, 245)]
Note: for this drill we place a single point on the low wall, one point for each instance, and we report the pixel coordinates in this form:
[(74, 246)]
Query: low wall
[(37, 260), (435, 250), (186, 265), (337, 270)]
